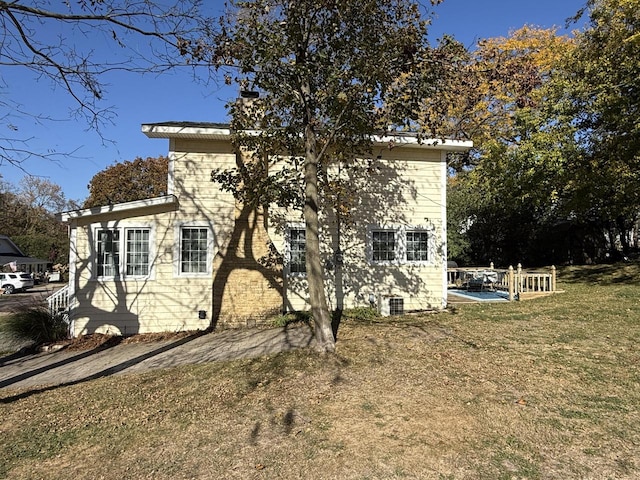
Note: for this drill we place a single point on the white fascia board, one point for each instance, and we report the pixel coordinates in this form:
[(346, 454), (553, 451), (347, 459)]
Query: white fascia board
[(185, 131), (118, 207), (170, 130), (429, 143)]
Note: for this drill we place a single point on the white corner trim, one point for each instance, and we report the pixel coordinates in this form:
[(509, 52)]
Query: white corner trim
[(443, 201), (171, 168)]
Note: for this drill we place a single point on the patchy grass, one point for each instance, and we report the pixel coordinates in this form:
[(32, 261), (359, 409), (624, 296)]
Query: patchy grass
[(543, 389)]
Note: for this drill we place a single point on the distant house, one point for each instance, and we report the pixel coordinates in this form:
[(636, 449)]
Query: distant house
[(12, 258), (197, 258)]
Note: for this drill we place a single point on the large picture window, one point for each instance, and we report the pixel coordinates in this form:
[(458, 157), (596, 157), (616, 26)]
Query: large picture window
[(297, 249), (194, 245)]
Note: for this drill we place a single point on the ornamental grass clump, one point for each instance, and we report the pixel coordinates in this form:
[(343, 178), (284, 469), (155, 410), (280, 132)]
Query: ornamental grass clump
[(35, 323)]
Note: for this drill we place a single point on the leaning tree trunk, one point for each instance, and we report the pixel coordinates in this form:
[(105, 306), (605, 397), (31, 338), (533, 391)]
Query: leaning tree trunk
[(323, 333)]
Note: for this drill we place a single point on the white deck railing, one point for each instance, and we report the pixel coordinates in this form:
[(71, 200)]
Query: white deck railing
[(517, 282)]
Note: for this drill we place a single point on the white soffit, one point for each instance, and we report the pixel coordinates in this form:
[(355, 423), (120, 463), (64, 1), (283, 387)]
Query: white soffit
[(186, 130), (119, 207)]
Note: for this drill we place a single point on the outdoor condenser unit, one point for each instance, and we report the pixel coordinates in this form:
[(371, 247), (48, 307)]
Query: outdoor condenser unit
[(391, 306)]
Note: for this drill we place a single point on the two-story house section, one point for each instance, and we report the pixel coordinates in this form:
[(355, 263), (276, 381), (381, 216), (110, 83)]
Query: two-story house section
[(197, 258)]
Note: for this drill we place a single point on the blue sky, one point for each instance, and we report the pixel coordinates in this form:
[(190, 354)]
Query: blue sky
[(150, 99)]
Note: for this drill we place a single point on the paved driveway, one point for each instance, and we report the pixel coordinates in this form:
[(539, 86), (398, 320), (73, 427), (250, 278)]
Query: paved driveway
[(64, 367), (35, 295)]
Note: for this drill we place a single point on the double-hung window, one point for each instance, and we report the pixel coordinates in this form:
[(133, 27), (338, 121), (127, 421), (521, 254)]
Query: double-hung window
[(297, 249), (194, 249), (136, 245)]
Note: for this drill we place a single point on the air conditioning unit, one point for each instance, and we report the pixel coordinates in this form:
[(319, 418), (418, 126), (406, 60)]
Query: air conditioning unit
[(391, 306)]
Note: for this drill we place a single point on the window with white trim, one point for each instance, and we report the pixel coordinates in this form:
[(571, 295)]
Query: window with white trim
[(383, 245), (194, 249), (108, 253), (135, 242), (297, 251), (399, 245), (417, 246), (137, 252)]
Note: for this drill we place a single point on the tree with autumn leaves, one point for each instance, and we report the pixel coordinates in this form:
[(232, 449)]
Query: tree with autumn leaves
[(601, 92), (27, 215), (129, 180), (555, 123)]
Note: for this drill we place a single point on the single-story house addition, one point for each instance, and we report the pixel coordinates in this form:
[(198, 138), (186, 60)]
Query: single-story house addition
[(196, 258)]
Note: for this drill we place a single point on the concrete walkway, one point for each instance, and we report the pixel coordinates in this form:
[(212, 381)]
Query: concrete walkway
[(64, 367)]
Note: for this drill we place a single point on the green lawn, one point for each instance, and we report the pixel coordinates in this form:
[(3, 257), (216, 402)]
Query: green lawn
[(542, 389)]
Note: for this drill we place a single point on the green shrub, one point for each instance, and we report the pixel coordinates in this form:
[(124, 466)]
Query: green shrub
[(362, 314), (35, 323), (290, 318)]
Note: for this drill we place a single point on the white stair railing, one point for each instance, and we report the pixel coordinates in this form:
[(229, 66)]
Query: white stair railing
[(59, 301)]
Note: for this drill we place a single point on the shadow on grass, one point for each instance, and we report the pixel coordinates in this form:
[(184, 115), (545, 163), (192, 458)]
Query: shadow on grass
[(604, 274), (76, 358)]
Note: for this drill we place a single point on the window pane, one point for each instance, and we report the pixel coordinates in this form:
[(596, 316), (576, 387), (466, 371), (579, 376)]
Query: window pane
[(384, 245), (297, 248), (417, 246), (108, 252), (193, 250), (137, 252)]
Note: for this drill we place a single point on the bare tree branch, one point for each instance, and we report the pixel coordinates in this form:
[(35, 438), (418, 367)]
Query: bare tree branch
[(75, 44)]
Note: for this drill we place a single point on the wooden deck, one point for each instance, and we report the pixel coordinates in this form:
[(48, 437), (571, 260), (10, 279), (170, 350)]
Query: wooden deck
[(514, 284)]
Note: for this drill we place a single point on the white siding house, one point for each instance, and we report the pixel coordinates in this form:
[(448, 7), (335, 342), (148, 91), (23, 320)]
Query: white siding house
[(197, 259)]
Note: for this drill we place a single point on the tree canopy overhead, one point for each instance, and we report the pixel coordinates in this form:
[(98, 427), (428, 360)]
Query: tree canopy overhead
[(602, 91), (330, 74)]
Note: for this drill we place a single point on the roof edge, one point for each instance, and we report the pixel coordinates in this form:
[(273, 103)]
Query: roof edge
[(118, 207), (223, 131)]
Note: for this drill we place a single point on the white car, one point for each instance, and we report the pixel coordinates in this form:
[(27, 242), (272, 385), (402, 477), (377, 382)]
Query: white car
[(12, 282)]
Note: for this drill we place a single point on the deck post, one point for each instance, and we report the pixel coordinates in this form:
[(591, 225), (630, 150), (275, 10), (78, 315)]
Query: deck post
[(511, 284)]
